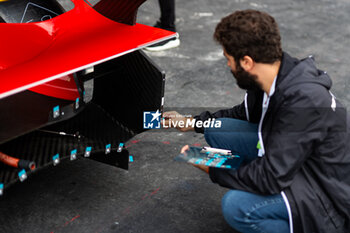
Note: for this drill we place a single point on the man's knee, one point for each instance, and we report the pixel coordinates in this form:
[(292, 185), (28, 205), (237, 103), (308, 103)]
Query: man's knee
[(210, 130), (213, 133), (235, 135), (231, 125), (233, 207)]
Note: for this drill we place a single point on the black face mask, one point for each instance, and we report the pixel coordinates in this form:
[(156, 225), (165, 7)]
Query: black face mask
[(245, 80)]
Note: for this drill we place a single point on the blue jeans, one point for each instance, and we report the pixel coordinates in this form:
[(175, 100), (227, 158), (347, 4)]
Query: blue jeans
[(244, 211)]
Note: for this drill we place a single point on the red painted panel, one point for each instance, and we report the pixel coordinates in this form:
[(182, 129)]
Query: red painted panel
[(62, 88), (36, 53)]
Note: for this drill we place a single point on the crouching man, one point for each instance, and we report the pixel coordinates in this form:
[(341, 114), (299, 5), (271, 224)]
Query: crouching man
[(291, 131)]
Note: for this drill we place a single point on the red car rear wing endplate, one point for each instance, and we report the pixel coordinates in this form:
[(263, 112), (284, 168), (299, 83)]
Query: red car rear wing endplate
[(36, 53)]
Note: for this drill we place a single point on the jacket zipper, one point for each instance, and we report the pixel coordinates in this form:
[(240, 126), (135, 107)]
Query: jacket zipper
[(264, 110), (246, 106), (289, 211), (262, 152)]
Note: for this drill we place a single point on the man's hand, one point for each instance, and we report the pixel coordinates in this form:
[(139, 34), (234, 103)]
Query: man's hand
[(173, 118), (202, 167)]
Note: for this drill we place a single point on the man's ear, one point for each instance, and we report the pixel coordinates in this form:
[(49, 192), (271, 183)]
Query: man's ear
[(247, 63)]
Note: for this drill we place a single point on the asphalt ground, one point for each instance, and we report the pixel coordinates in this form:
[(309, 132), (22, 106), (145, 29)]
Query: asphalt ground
[(158, 194)]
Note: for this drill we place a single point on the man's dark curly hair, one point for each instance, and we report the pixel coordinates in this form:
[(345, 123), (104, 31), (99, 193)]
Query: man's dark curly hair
[(252, 33)]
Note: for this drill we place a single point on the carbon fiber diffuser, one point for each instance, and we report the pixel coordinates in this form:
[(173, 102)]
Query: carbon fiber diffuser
[(123, 89)]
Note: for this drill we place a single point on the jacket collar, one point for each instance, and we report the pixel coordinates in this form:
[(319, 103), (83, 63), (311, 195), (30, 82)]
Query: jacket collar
[(287, 64)]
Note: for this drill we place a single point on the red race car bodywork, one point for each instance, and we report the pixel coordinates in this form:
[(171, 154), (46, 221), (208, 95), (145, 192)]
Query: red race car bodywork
[(36, 53), (49, 58)]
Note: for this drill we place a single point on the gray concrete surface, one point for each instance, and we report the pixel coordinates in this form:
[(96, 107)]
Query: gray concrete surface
[(158, 194)]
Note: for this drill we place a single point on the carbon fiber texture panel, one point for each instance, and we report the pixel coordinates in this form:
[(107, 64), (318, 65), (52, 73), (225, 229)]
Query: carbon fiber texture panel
[(123, 89), (96, 130), (133, 84)]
